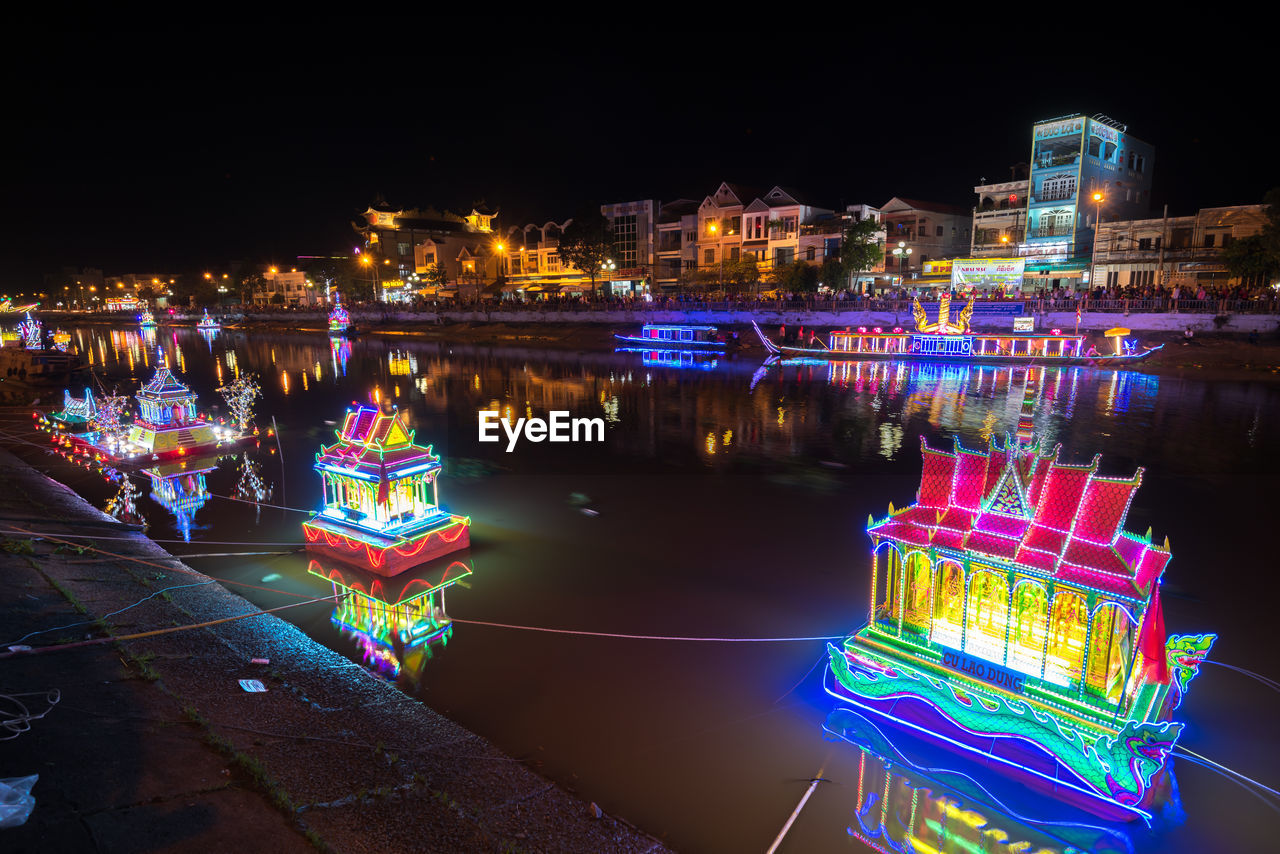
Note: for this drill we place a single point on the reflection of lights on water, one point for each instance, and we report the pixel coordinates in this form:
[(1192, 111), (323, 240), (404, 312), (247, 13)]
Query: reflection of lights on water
[(305, 386), (727, 438), (610, 407), (988, 428), (284, 381), (711, 443), (476, 382), (782, 415), (316, 371), (890, 439)]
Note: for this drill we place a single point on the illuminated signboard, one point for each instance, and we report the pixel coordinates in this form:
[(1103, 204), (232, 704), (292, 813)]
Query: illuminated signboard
[(937, 268), (1002, 273), (1024, 324)]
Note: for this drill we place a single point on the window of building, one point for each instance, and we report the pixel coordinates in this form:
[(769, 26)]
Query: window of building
[(735, 225), (810, 253), (1144, 243), (709, 256), (553, 263), (733, 253), (1208, 241), (939, 231), (784, 255)]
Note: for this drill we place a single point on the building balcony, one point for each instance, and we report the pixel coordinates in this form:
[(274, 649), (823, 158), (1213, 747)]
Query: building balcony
[(1052, 198), (1051, 231), (997, 213)]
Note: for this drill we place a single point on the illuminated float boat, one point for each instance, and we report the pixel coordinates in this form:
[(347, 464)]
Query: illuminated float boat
[(1013, 616), (77, 414), (395, 622), (679, 336), (947, 340), (167, 425), (339, 319), (381, 497), (32, 361), (146, 320), (207, 323)]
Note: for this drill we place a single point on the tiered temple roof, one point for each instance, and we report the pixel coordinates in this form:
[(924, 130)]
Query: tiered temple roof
[(374, 443), (1016, 506)]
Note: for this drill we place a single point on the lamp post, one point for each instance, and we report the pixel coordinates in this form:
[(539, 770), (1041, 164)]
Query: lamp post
[(1098, 199), (902, 251), (606, 269)]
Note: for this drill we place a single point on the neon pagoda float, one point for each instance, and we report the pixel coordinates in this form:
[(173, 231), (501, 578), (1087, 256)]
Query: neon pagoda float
[(31, 330), (147, 320), (77, 414), (394, 622), (381, 497), (207, 323), (1012, 616), (339, 320), (167, 425)]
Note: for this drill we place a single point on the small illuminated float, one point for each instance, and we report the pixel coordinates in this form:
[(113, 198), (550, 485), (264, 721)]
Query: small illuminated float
[(61, 340), (381, 497), (395, 622), (32, 332), (167, 425), (339, 320), (146, 320), (77, 414), (207, 323), (180, 488), (655, 336), (1013, 616)]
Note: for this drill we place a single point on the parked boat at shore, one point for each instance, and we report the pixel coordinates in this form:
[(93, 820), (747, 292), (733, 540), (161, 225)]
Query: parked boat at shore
[(947, 340), (676, 336)]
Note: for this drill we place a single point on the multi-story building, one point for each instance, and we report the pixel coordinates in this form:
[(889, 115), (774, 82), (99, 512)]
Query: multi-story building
[(534, 268), (720, 236), (676, 253), (1082, 169), (278, 287), (634, 229), (865, 281), (402, 244), (1182, 251), (933, 231), (1000, 217)]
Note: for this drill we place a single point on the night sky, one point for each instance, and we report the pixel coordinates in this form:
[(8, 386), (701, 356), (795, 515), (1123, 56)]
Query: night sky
[(149, 158)]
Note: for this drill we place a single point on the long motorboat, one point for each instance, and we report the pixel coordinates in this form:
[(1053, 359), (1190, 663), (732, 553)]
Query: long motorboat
[(675, 336), (953, 341)]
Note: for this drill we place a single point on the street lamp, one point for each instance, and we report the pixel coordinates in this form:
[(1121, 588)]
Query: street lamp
[(607, 267), (902, 251), (1098, 199)]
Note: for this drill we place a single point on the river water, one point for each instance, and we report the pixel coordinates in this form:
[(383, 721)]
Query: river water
[(728, 501)]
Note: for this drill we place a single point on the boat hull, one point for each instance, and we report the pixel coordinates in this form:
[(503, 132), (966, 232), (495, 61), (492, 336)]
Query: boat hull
[(1117, 774), (390, 555), (666, 344), (825, 355)]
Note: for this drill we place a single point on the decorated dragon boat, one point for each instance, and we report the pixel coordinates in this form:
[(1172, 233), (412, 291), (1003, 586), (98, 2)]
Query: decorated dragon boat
[(1012, 616), (147, 320), (947, 340), (381, 497), (77, 414)]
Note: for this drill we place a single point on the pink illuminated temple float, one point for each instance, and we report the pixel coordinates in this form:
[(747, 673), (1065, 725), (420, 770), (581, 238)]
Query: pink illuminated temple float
[(1012, 616), (382, 507)]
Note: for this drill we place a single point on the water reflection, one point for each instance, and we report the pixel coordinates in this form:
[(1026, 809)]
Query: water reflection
[(394, 622), (911, 796), (180, 488), (698, 360)]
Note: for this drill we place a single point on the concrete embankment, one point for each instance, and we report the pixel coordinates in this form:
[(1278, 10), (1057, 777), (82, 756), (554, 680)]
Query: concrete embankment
[(1090, 321), (153, 744)]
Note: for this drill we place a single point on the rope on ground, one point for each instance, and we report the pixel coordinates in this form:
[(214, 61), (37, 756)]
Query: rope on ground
[(40, 650), (18, 719), (140, 536), (112, 614)]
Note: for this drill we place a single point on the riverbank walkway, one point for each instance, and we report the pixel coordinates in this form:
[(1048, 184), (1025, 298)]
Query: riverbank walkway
[(152, 744)]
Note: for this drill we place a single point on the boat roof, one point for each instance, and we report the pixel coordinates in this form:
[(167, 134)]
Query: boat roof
[(165, 385), (1016, 506), (374, 442)]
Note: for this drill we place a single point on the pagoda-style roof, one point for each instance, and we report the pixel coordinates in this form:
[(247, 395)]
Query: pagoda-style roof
[(165, 385), (1013, 505), (374, 443)]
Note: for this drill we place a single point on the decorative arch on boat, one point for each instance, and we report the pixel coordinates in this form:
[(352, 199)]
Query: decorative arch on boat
[(987, 614), (948, 603), (886, 572), (917, 593), (1111, 647)]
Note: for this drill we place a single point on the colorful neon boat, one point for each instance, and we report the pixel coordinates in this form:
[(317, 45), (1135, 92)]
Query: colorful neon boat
[(147, 320), (946, 340), (207, 323), (339, 319), (1012, 616), (381, 497), (678, 336), (77, 413)]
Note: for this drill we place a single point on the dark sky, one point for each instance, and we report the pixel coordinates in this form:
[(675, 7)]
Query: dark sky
[(147, 158)]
